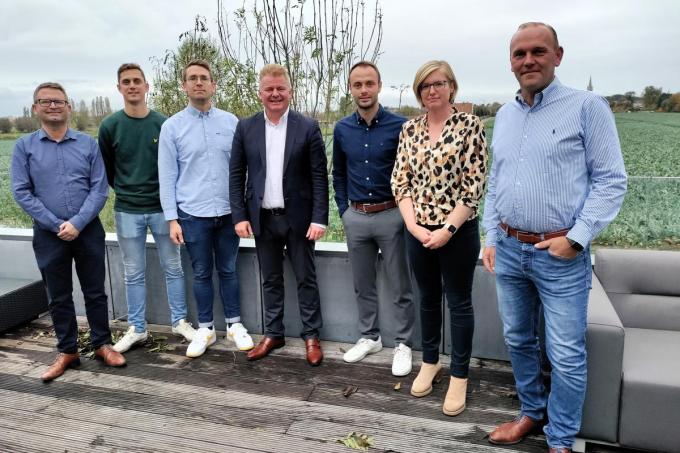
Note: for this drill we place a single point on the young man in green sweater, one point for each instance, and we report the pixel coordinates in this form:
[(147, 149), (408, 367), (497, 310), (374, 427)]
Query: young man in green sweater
[(128, 140)]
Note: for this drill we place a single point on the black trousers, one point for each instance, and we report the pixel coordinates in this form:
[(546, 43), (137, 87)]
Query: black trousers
[(454, 265), (275, 234), (55, 259)]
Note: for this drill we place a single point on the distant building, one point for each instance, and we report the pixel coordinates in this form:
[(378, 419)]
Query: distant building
[(590, 84)]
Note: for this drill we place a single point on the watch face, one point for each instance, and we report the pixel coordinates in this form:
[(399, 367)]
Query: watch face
[(452, 229)]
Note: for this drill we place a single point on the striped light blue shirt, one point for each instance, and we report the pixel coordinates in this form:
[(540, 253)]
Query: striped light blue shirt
[(556, 164), (194, 149)]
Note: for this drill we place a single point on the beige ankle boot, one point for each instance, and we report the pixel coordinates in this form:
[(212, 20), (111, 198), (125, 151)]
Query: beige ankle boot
[(422, 384), (454, 403)]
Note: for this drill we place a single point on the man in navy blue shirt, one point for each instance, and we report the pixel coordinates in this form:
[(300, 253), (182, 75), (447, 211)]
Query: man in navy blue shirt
[(58, 178), (364, 151)]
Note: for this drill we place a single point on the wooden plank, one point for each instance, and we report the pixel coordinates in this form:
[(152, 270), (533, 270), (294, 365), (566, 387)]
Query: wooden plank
[(132, 429)]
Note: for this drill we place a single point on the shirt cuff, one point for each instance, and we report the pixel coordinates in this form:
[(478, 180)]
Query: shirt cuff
[(580, 234), (77, 222), (491, 237), (170, 214), (320, 225)]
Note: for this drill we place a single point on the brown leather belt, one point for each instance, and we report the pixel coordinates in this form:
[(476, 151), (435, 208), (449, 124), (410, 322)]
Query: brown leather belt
[(532, 238), (369, 208)]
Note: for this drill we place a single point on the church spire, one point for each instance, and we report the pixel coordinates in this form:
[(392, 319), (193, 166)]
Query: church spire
[(590, 83)]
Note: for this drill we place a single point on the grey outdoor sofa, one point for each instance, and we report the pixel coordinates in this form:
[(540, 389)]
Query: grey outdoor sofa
[(633, 396)]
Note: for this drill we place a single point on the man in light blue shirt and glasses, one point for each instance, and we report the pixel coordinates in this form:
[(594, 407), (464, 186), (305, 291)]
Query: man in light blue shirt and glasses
[(193, 171), (556, 181)]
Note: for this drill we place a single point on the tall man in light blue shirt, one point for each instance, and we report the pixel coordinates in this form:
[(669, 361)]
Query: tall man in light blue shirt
[(557, 180), (193, 172)]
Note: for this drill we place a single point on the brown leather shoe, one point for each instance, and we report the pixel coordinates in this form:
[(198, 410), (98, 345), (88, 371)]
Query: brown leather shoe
[(515, 431), (59, 365), (559, 450), (314, 352), (264, 347), (109, 356)]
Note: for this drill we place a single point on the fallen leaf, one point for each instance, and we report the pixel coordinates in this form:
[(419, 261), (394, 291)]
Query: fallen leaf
[(397, 386), (347, 391), (357, 441), (342, 350)]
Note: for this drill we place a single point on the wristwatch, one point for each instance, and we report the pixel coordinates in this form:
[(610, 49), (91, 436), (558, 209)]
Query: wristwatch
[(575, 245), (452, 229)]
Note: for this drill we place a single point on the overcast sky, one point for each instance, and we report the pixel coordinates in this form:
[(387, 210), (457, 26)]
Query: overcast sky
[(624, 45)]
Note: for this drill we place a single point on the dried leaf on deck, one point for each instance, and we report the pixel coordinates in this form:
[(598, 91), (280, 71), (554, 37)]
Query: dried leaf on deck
[(348, 390), (357, 441), (397, 386), (342, 350)]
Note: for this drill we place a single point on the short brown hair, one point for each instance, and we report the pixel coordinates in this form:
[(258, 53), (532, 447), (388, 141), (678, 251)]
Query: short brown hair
[(53, 85), (129, 67), (197, 62), (364, 64), (275, 70), (428, 68), (541, 24)]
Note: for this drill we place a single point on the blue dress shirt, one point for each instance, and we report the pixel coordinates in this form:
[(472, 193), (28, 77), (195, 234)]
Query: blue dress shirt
[(557, 164), (194, 149), (363, 157), (55, 182)]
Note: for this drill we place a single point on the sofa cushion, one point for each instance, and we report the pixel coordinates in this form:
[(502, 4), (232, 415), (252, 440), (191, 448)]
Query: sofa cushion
[(650, 395), (643, 285)]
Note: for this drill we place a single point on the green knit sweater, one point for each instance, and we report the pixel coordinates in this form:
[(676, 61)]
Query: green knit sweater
[(129, 147)]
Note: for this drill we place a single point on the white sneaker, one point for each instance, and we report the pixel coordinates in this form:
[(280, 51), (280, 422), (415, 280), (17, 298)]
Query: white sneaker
[(239, 335), (184, 329), (129, 339), (360, 350), (203, 338), (402, 361)]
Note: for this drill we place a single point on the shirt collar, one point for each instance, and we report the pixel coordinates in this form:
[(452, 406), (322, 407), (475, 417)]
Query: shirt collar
[(282, 121), (193, 111), (380, 114), (541, 95), (70, 135)]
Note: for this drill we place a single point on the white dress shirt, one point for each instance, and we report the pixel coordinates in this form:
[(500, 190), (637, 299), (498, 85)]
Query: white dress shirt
[(275, 136)]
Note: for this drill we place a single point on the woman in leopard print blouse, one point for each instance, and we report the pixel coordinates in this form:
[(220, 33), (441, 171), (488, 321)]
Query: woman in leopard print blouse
[(438, 181)]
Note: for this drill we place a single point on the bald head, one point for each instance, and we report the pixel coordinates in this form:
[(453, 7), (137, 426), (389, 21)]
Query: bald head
[(550, 29)]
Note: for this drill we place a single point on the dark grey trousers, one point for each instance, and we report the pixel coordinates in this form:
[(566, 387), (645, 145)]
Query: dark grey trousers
[(366, 234)]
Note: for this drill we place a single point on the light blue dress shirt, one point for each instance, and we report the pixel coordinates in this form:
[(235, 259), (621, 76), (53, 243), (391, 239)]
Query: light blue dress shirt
[(557, 164), (194, 149), (55, 182)]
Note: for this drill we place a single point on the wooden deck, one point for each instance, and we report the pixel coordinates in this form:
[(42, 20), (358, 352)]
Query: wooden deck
[(163, 401)]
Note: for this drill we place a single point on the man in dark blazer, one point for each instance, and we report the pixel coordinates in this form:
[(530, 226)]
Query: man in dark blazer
[(278, 189)]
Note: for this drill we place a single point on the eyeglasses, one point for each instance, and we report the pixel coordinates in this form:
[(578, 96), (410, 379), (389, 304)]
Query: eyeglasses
[(48, 102), (438, 85)]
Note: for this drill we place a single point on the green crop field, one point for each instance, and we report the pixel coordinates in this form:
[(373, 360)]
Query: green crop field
[(650, 216)]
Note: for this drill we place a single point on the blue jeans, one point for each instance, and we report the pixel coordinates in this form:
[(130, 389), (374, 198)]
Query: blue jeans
[(131, 230), (527, 278), (206, 237)]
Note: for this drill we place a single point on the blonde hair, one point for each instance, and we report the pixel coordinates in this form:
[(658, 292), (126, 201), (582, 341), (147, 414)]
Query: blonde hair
[(275, 70), (428, 68)]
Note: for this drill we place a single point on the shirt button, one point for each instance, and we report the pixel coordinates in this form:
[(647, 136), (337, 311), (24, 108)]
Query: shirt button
[(518, 183), (366, 161), (367, 178), (370, 194), (366, 145)]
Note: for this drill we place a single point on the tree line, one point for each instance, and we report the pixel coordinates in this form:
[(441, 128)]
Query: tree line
[(652, 99), (83, 117)]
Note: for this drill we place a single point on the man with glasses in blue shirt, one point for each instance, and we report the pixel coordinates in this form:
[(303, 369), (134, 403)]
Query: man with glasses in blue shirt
[(364, 151), (193, 172), (556, 181), (58, 178)]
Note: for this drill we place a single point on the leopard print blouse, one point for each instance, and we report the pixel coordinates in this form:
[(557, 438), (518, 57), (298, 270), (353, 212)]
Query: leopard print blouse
[(436, 178)]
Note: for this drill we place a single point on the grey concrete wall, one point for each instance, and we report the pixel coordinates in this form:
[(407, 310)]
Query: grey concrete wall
[(335, 285)]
